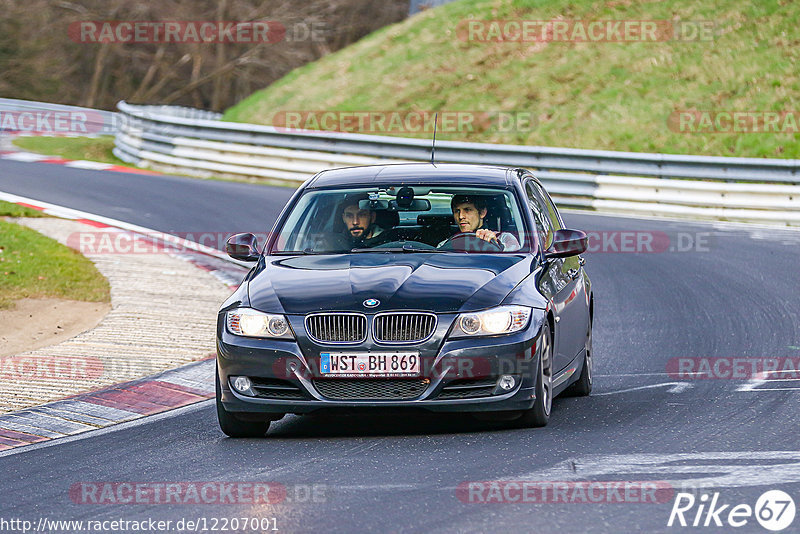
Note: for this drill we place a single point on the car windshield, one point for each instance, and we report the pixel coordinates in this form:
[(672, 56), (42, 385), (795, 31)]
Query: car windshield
[(401, 218)]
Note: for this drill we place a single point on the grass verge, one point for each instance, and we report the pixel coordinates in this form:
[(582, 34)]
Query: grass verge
[(76, 148), (9, 209), (35, 266)]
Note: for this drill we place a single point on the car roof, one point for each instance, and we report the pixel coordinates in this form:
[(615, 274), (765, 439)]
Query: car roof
[(415, 173)]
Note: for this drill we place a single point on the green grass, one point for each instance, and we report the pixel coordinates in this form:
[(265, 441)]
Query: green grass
[(35, 266), (615, 96), (76, 148), (9, 209)]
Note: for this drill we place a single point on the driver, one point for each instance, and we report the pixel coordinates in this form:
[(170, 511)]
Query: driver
[(360, 227), (469, 212)]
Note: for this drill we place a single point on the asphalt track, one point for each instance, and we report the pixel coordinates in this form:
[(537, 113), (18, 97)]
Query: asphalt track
[(732, 294)]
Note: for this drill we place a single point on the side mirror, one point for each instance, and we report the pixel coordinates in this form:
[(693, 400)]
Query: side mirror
[(567, 243), (242, 247)]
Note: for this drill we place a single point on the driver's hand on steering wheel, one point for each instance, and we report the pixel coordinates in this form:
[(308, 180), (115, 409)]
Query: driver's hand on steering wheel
[(486, 235)]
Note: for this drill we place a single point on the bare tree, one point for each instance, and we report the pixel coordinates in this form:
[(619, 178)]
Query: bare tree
[(41, 60)]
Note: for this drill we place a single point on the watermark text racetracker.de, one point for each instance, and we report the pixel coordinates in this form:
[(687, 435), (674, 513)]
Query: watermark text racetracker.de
[(564, 492), (599, 241), (393, 122), (734, 122), (194, 492), (647, 241), (125, 242), (35, 367), (194, 31), (733, 368), (83, 122), (584, 31)]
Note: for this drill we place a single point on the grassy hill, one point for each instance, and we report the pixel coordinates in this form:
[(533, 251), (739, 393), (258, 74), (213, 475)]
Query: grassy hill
[(602, 95)]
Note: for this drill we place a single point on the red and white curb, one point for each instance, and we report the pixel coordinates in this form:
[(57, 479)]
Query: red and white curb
[(165, 391), (30, 157)]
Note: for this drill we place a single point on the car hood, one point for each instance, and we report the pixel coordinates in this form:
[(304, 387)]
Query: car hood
[(436, 282)]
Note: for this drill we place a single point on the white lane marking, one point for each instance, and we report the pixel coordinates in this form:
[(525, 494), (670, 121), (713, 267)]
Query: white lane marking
[(387, 487), (751, 385), (716, 469), (676, 387), (632, 374), (89, 165), (763, 377), (719, 225), (113, 428), (24, 156), (686, 374)]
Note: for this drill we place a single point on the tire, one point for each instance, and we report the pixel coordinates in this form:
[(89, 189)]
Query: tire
[(539, 415), (583, 386), (234, 427)]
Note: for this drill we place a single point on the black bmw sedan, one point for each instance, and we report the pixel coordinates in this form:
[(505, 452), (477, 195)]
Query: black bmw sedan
[(449, 288)]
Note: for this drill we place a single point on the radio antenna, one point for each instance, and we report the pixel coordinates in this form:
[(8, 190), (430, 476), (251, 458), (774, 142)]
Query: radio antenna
[(433, 145)]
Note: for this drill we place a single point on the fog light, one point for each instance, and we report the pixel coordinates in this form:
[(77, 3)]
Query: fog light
[(241, 384), (507, 382)]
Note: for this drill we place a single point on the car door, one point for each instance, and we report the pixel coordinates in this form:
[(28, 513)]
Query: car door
[(572, 303), (553, 283)]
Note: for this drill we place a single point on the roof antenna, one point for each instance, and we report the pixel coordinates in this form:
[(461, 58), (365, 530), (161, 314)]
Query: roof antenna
[(433, 146)]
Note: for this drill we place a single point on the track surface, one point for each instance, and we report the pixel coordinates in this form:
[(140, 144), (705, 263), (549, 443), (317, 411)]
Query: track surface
[(734, 295)]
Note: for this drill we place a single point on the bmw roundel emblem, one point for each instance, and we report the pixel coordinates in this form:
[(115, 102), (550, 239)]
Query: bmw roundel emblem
[(371, 303)]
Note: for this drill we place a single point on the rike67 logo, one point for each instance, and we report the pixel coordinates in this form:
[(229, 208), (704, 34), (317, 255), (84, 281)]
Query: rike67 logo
[(774, 510)]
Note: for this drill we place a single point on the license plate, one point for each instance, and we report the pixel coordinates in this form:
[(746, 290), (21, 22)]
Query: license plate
[(374, 364)]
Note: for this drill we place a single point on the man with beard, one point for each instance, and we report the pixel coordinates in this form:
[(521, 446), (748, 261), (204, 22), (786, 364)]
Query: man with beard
[(360, 228)]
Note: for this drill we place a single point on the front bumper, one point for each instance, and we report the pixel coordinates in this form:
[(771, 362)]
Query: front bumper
[(449, 370)]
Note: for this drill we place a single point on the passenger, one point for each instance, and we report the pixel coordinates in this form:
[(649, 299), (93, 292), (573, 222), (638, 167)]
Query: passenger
[(469, 212)]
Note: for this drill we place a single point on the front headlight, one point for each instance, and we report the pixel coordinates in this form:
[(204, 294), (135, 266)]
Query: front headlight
[(500, 320), (253, 323)]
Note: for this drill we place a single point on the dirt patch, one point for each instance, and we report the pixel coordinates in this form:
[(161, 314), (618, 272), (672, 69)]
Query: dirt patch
[(37, 323)]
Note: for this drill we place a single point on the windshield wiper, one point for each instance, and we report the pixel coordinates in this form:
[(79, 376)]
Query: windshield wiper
[(298, 252), (405, 248)]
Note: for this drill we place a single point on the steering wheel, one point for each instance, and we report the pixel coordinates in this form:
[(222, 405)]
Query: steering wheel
[(469, 241)]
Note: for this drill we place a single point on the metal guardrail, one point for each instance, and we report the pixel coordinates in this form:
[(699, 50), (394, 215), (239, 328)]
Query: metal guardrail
[(565, 159), (198, 143)]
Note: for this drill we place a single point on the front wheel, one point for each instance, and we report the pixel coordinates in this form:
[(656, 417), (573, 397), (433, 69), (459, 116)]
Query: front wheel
[(539, 415), (234, 427)]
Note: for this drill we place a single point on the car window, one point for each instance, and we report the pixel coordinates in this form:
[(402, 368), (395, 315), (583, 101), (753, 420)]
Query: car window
[(392, 216), (552, 213), (540, 216)]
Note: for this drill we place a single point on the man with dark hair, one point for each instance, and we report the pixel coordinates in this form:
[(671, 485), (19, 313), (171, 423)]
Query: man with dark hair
[(469, 212), (359, 223)]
